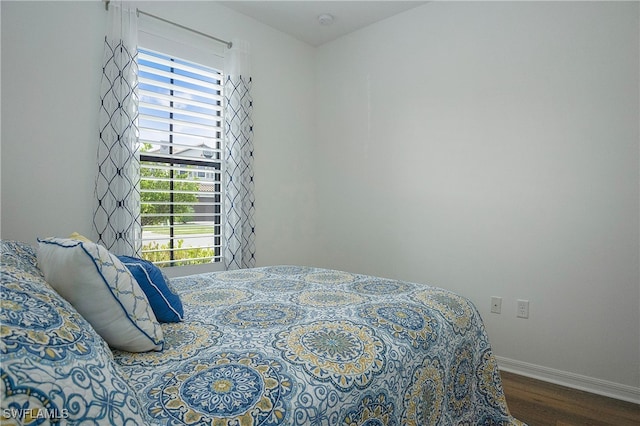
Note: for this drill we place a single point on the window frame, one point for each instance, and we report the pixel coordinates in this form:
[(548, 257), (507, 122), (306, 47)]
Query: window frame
[(151, 39)]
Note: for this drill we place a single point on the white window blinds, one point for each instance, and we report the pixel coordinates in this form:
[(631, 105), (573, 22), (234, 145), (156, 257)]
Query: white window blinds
[(180, 122)]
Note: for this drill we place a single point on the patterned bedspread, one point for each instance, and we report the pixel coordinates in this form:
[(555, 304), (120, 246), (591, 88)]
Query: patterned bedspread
[(288, 345)]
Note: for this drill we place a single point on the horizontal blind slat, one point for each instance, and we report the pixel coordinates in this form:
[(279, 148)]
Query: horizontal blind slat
[(182, 65), (148, 85), (185, 137), (152, 76), (154, 107), (166, 99), (176, 122)]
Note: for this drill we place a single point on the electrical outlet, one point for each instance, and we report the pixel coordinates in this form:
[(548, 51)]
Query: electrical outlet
[(523, 308), (496, 304)]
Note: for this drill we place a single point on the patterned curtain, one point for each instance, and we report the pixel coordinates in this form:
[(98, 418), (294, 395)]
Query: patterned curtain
[(240, 251), (117, 215)]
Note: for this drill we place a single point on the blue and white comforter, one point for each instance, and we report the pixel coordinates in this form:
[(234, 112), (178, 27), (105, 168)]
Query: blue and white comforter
[(288, 345)]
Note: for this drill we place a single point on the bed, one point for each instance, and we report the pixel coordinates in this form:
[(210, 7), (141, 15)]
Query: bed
[(285, 345), (300, 345)]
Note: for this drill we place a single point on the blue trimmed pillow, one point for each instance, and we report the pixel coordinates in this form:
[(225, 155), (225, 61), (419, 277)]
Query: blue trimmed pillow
[(166, 304), (103, 291)]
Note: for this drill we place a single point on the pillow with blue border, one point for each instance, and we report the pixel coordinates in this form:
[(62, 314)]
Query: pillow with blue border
[(166, 304), (103, 291)]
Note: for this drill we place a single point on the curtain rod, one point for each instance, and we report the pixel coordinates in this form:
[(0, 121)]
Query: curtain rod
[(142, 12)]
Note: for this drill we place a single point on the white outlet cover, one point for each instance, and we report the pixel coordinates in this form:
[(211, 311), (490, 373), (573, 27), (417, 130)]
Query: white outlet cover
[(496, 304), (523, 309)]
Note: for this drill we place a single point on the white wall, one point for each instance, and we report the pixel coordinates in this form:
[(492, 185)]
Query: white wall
[(50, 75), (51, 62), (492, 148)]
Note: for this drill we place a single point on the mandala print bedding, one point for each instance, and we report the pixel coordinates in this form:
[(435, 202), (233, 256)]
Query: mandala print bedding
[(291, 345), (54, 367)]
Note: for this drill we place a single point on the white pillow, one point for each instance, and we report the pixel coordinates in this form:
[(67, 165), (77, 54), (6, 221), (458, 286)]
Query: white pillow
[(103, 290)]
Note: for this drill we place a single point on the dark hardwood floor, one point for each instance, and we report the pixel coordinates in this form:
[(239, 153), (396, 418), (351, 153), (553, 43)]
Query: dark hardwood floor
[(539, 403)]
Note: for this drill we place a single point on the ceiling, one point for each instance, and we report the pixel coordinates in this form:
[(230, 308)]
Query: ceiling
[(300, 18)]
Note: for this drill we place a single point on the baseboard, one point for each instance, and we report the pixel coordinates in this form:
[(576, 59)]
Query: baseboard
[(572, 380)]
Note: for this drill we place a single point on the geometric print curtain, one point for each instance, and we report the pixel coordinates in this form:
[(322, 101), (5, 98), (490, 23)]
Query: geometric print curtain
[(116, 216), (240, 249)]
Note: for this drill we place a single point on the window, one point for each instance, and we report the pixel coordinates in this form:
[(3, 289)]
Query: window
[(181, 145)]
